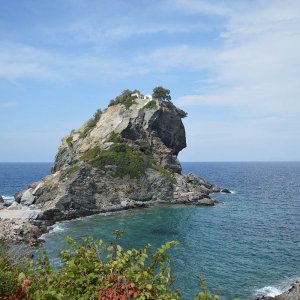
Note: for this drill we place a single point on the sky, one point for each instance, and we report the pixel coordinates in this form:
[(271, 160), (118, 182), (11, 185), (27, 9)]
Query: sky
[(233, 66)]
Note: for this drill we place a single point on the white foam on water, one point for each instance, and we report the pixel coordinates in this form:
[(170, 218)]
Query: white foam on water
[(8, 198), (270, 291), (275, 290), (233, 192), (54, 229), (57, 228)]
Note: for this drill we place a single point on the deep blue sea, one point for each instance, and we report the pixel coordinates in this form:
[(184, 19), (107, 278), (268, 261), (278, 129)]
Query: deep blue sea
[(246, 246)]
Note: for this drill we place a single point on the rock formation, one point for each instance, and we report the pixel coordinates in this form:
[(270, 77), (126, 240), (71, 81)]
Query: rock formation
[(1, 202), (124, 157)]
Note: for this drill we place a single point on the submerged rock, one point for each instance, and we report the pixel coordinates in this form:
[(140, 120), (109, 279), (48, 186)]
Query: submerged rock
[(226, 191), (124, 157)]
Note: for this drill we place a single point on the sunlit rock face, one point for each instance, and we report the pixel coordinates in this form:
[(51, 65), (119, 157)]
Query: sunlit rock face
[(124, 157)]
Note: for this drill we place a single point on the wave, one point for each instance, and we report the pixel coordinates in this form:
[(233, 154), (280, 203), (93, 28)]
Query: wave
[(275, 290), (56, 228), (270, 291), (8, 198)]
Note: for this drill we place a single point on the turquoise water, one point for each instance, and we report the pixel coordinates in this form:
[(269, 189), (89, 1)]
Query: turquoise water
[(250, 244)]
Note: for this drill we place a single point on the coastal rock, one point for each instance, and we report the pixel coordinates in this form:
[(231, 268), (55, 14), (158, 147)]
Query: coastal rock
[(27, 197), (1, 199), (18, 196), (124, 157), (206, 202), (293, 293), (226, 191)]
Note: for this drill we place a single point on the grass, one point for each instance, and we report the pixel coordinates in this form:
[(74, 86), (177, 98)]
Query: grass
[(71, 169), (165, 172), (114, 137)]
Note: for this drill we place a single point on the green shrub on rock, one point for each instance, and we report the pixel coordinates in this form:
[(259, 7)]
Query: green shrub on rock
[(127, 160), (125, 98), (91, 123), (69, 141), (151, 105)]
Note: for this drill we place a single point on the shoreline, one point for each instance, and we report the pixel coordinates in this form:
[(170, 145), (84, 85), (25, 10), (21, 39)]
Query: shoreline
[(34, 234), (20, 224)]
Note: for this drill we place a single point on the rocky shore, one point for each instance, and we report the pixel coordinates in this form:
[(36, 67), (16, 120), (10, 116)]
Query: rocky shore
[(124, 157), (22, 223), (293, 293)]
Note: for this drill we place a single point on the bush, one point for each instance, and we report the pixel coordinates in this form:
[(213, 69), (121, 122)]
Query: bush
[(91, 270), (151, 105), (91, 123), (10, 268), (69, 141), (129, 101), (125, 98), (127, 160)]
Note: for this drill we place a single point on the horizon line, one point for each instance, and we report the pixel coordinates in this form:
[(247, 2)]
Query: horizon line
[(209, 161)]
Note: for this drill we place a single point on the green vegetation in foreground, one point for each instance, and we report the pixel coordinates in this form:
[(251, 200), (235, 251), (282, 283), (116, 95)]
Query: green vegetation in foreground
[(92, 270), (10, 268), (151, 105), (91, 123)]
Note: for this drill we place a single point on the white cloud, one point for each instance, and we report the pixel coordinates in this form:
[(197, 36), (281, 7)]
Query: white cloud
[(257, 65), (24, 61), (198, 7), (94, 32), (259, 62), (183, 57)]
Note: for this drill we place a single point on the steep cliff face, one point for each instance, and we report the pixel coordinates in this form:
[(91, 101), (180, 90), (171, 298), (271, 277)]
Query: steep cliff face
[(123, 157), (158, 130)]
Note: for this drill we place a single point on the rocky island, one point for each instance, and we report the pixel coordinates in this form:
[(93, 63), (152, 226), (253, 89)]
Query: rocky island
[(123, 157)]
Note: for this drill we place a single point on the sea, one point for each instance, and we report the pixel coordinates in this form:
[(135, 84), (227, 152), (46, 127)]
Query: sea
[(246, 247)]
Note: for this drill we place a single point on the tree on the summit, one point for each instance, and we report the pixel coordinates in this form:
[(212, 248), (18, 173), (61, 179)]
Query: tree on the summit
[(161, 94)]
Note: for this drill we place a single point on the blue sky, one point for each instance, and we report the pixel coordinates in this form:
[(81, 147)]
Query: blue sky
[(234, 66)]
